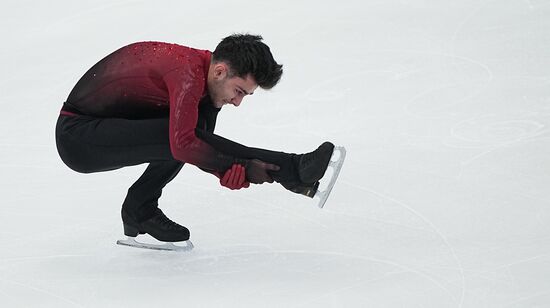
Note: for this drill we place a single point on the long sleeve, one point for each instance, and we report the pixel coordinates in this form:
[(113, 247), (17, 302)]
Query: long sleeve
[(150, 80), (185, 86)]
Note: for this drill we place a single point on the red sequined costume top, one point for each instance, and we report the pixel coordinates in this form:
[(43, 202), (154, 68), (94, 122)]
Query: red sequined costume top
[(150, 80)]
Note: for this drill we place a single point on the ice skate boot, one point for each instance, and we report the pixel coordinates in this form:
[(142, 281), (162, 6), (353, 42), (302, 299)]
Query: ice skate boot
[(308, 190), (312, 168), (159, 227)]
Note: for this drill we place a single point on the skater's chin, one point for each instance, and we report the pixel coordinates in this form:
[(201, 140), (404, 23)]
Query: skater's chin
[(219, 104)]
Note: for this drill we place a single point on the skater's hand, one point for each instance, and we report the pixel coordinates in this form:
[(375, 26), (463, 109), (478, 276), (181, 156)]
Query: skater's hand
[(234, 178), (257, 171)]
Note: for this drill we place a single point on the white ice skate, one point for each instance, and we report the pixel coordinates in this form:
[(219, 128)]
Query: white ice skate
[(336, 163), (168, 246)]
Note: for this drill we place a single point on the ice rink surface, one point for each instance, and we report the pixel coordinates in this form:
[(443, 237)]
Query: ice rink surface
[(444, 199)]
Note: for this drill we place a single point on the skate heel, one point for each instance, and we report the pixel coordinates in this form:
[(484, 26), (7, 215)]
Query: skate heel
[(130, 230), (313, 190)]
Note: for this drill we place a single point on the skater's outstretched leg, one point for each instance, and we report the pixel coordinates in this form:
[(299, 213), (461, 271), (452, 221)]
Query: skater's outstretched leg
[(298, 173)]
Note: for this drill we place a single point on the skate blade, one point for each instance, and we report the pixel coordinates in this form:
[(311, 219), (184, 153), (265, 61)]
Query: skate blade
[(167, 246), (336, 165)]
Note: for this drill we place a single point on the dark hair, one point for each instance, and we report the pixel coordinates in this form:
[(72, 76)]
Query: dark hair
[(247, 54)]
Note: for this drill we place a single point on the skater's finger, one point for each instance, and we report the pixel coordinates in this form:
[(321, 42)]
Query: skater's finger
[(257, 171), (234, 176), (272, 167), (225, 177), (238, 176), (241, 177)]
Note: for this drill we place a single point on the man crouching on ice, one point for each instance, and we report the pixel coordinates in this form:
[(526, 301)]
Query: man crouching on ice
[(157, 103)]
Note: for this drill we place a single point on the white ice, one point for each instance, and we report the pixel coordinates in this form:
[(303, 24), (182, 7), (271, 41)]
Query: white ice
[(444, 199)]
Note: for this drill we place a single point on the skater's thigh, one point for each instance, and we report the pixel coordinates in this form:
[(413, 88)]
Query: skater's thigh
[(88, 144)]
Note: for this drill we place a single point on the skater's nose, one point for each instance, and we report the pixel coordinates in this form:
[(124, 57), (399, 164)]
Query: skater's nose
[(236, 101)]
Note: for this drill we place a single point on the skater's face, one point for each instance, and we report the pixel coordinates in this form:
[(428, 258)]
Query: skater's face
[(225, 89)]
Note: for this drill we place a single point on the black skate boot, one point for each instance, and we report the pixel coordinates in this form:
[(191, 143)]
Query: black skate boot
[(158, 226), (308, 190), (312, 166)]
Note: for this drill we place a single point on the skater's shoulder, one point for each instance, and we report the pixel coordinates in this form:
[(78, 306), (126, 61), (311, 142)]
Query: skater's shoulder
[(164, 47)]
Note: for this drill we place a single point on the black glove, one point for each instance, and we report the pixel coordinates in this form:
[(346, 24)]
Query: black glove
[(257, 171)]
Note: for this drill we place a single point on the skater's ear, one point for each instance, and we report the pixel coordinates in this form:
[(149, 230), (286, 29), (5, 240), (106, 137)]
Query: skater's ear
[(221, 70)]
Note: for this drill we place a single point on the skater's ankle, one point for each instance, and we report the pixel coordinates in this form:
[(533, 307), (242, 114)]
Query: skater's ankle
[(138, 216)]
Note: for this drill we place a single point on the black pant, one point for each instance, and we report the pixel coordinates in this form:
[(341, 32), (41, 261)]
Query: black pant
[(89, 144)]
